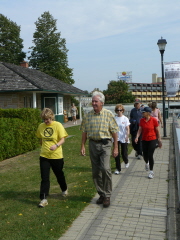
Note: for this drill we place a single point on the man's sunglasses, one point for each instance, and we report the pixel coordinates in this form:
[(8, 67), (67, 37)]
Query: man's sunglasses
[(119, 110)]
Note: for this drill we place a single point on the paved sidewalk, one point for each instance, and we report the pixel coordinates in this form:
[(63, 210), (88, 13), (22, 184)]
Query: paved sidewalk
[(138, 209), (70, 123)]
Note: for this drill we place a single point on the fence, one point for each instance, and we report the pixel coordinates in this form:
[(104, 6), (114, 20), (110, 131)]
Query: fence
[(176, 134), (168, 113)]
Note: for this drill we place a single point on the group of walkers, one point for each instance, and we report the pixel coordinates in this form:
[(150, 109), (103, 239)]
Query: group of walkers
[(105, 133)]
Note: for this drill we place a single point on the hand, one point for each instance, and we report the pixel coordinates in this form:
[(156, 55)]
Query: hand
[(159, 144), (126, 139), (136, 140), (53, 147), (83, 151), (115, 152)]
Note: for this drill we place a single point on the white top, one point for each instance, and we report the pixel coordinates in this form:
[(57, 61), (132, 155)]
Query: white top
[(122, 122)]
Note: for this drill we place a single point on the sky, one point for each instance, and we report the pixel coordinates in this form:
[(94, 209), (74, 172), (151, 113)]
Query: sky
[(105, 37)]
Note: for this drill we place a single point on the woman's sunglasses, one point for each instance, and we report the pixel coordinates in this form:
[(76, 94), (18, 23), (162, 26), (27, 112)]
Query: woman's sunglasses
[(119, 110)]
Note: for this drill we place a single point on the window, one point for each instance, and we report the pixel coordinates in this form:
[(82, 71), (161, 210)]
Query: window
[(25, 102), (60, 105), (50, 102), (30, 102)]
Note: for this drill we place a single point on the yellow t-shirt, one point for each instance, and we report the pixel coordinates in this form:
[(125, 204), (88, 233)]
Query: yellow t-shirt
[(50, 135)]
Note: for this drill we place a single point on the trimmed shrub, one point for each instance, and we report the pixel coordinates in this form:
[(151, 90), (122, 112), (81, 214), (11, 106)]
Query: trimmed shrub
[(18, 129)]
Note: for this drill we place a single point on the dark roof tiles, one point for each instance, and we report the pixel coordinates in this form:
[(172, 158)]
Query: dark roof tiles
[(17, 78)]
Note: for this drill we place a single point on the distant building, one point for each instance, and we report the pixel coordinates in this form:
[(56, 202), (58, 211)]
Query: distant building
[(148, 92)]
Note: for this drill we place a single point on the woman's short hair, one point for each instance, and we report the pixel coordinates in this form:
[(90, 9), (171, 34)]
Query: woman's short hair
[(119, 106), (154, 105), (100, 95), (47, 113)]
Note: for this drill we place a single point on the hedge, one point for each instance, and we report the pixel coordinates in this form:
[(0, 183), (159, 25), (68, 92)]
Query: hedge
[(18, 128)]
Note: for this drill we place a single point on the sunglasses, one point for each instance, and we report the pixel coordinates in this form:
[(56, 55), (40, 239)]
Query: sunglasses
[(119, 110)]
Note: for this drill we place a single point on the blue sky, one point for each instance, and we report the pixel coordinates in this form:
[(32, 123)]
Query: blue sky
[(105, 37)]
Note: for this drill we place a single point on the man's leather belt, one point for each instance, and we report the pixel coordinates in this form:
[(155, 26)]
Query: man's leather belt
[(103, 140), (96, 140)]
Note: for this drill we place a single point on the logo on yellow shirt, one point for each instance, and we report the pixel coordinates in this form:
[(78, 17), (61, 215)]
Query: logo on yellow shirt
[(48, 132)]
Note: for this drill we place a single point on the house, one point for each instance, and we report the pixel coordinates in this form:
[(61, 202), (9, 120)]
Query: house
[(23, 87)]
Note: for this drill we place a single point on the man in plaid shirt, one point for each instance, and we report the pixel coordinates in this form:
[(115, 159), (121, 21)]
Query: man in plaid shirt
[(99, 126)]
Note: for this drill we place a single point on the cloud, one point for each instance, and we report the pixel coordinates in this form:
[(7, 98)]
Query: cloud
[(79, 20), (105, 36)]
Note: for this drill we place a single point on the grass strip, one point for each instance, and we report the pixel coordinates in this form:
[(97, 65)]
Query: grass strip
[(19, 193)]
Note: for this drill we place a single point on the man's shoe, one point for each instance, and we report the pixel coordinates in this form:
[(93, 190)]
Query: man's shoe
[(106, 202), (127, 165), (43, 203), (117, 172), (100, 200), (139, 157), (136, 154), (65, 193), (147, 166)]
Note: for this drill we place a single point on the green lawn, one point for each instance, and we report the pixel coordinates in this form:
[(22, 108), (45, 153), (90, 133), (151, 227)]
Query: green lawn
[(20, 217)]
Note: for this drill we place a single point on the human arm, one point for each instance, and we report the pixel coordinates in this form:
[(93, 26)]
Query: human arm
[(138, 134), (160, 118), (115, 145), (55, 146), (127, 133), (131, 116), (158, 136), (83, 142)]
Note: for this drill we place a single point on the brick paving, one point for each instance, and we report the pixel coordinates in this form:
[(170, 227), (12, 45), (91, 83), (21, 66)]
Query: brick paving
[(138, 209)]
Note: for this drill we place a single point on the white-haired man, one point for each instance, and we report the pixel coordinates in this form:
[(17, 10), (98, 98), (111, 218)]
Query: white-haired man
[(99, 126)]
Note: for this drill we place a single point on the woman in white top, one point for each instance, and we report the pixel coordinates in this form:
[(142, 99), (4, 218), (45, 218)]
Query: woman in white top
[(123, 137), (74, 113)]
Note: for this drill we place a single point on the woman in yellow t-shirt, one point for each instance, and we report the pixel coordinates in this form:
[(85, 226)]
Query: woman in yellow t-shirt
[(52, 135)]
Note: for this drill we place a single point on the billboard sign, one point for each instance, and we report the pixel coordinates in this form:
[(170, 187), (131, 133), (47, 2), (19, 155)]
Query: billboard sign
[(172, 77), (125, 76)]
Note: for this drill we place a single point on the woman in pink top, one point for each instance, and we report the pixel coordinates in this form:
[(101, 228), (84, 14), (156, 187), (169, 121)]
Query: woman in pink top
[(156, 112)]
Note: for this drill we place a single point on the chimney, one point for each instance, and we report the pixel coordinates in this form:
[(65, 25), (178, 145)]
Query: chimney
[(24, 64)]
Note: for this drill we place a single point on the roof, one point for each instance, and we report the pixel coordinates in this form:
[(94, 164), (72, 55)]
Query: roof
[(18, 78), (147, 83)]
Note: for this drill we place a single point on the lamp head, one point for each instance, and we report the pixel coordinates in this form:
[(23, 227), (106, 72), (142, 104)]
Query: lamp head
[(161, 44)]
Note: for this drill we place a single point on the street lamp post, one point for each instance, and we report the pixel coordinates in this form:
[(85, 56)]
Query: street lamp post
[(162, 44)]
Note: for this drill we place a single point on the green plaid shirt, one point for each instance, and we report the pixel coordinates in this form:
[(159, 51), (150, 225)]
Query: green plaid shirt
[(99, 125)]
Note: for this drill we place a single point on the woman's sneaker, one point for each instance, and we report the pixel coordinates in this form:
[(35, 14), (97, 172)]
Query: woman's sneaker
[(126, 165), (117, 172), (147, 166), (151, 175), (65, 193), (43, 203)]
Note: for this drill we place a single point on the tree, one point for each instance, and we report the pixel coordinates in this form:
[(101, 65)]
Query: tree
[(74, 100), (49, 54), (118, 92), (10, 42)]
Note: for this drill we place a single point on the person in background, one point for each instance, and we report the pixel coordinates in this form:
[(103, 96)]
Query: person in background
[(123, 137), (74, 113), (52, 135), (142, 107), (135, 116), (156, 113), (149, 129), (99, 126)]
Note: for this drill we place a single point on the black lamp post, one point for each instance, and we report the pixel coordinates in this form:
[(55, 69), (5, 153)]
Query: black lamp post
[(162, 44)]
